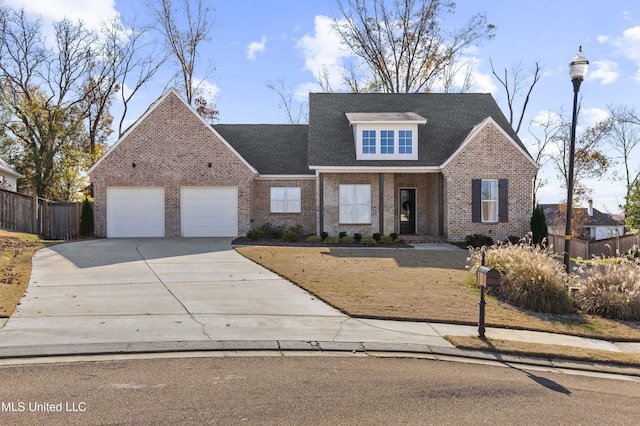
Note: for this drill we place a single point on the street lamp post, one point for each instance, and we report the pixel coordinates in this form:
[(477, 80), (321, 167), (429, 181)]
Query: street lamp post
[(577, 70)]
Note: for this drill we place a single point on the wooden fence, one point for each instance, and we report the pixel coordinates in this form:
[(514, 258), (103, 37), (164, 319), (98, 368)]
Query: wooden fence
[(586, 249), (34, 215)]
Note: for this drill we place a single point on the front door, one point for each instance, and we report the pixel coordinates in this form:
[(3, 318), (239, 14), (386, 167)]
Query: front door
[(407, 211)]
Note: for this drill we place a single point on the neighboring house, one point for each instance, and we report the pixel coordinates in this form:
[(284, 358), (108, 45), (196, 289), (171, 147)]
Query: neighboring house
[(428, 165), (9, 177), (593, 224)]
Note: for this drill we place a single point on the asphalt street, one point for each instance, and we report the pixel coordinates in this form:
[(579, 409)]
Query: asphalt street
[(302, 390)]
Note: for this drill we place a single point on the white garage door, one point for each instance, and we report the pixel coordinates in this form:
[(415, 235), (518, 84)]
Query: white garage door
[(135, 212), (207, 211)]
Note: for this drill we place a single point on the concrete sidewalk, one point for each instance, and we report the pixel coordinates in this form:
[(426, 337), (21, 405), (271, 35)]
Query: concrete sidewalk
[(112, 296)]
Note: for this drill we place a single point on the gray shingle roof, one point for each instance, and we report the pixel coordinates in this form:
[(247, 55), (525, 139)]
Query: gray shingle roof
[(450, 118), (272, 149)]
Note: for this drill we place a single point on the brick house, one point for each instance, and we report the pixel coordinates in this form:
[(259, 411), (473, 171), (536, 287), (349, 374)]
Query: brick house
[(425, 165)]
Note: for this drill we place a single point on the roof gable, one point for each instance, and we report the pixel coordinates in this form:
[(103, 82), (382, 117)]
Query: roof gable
[(489, 121), (451, 117), (173, 94)]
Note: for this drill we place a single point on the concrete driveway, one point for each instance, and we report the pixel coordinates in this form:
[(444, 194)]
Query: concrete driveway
[(118, 293)]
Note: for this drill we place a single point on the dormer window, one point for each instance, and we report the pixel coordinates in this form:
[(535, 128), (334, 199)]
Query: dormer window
[(386, 136)]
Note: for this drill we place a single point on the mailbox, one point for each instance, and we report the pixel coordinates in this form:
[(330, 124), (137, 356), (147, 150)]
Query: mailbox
[(488, 276)]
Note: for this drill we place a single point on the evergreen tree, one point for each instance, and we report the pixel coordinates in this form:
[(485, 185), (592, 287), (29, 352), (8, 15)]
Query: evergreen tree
[(539, 225), (86, 219)]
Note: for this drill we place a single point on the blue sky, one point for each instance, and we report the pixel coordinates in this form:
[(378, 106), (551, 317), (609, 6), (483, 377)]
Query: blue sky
[(254, 42)]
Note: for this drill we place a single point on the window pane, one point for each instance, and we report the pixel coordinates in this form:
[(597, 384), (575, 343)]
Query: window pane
[(405, 142), (368, 141), (286, 200), (386, 141), (489, 200), (355, 204)]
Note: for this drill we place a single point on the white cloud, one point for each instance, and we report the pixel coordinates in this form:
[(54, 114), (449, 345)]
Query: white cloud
[(92, 13), (591, 116), (255, 47), (207, 89), (605, 71), (322, 50)]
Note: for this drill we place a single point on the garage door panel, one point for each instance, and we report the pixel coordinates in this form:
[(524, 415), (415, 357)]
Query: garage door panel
[(135, 212), (209, 211)]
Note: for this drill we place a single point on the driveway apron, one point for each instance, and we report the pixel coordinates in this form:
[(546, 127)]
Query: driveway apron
[(114, 291)]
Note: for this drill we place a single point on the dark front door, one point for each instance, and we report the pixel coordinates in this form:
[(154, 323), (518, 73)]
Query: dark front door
[(407, 211)]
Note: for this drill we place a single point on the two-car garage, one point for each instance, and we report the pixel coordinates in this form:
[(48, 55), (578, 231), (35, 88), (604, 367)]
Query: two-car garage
[(205, 211)]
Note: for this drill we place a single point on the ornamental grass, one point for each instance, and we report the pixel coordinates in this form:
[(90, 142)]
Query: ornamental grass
[(610, 288), (530, 277)]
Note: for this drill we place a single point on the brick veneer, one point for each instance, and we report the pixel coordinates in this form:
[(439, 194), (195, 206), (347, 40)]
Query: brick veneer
[(489, 155), (171, 148), (262, 204)]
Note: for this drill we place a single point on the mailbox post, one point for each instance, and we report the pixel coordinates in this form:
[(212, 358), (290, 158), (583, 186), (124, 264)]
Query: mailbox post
[(487, 277)]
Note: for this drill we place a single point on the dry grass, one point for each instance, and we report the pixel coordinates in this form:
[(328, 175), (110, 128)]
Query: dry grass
[(415, 285), (16, 250), (545, 351)]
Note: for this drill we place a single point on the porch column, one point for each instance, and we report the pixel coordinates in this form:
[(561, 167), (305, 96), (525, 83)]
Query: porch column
[(381, 203), (321, 203), (440, 205)]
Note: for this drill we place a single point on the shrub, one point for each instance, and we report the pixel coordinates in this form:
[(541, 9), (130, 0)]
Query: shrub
[(346, 240), (86, 218), (255, 234), (377, 236), (478, 240), (386, 240), (324, 235), (530, 277), (611, 289), (331, 241), (393, 236), (313, 239), (267, 230), (369, 241), (357, 237), (342, 234), (291, 236)]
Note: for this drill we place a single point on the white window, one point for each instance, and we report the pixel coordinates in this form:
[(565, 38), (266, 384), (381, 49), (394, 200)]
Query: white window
[(355, 204), (286, 200), (489, 200)]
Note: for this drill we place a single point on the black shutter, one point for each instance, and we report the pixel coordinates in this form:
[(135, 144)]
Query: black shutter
[(476, 200), (503, 200)]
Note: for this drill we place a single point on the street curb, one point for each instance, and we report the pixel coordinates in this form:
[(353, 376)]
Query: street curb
[(318, 347)]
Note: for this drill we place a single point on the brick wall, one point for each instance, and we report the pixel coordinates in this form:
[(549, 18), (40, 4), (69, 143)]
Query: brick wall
[(262, 204), (490, 155), (171, 148)]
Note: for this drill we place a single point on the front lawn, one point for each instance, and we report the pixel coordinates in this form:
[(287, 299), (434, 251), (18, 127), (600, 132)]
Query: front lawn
[(415, 285)]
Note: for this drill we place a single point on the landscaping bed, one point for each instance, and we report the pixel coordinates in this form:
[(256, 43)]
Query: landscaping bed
[(16, 250)]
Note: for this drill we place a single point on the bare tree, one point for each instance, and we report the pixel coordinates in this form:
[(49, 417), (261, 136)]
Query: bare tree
[(140, 61), (295, 111), (515, 84), (184, 43), (401, 41), (589, 160), (551, 131), (624, 137)]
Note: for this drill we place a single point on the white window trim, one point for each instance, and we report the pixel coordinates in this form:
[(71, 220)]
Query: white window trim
[(379, 127), (495, 201), (290, 197), (353, 211)]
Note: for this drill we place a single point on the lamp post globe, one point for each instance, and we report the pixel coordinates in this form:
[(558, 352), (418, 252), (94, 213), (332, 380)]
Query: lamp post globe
[(577, 71)]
